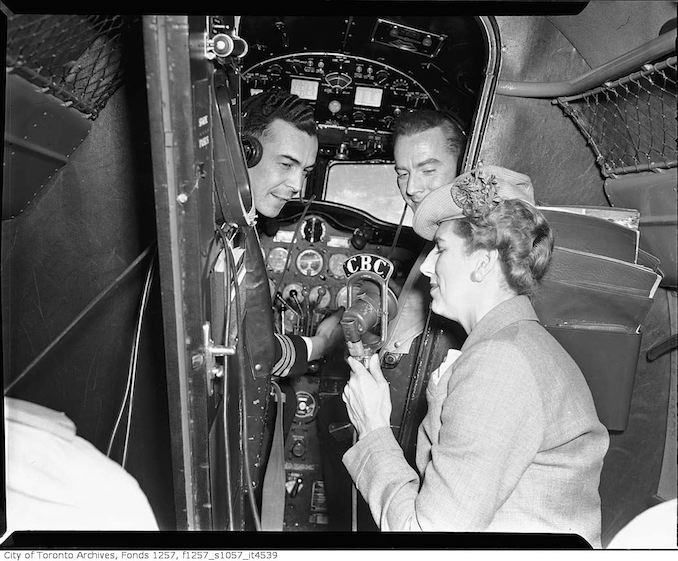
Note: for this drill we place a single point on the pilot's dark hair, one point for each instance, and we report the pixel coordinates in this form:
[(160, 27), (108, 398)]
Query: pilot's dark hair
[(416, 121), (260, 110), (521, 235)]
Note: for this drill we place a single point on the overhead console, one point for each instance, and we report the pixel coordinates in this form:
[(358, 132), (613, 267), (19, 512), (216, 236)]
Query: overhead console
[(356, 100)]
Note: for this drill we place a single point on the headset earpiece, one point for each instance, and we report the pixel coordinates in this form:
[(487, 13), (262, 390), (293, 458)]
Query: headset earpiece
[(252, 150)]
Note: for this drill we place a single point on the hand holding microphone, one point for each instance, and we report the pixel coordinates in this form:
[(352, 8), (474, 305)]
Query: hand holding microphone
[(367, 396)]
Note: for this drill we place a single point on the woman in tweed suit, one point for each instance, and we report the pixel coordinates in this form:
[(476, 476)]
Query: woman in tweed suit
[(511, 441)]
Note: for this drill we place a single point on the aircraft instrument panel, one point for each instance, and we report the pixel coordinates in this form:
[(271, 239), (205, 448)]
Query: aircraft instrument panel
[(346, 91)]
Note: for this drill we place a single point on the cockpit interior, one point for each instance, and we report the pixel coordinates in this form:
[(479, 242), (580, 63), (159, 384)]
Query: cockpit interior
[(123, 158)]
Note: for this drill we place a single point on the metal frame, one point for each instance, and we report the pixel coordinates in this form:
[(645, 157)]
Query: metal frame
[(178, 210), (652, 50), (490, 30)]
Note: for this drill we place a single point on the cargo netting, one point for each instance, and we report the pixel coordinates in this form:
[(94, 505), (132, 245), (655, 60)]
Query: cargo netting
[(630, 123), (75, 58)]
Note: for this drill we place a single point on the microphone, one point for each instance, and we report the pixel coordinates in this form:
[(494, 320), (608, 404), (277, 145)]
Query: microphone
[(370, 304), (369, 311)]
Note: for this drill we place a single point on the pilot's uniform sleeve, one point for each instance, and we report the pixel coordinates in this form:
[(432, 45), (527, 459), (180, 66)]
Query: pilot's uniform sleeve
[(291, 356)]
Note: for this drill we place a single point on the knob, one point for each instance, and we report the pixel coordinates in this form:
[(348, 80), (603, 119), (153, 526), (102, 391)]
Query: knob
[(334, 106), (293, 487), (298, 448), (359, 239), (342, 152)]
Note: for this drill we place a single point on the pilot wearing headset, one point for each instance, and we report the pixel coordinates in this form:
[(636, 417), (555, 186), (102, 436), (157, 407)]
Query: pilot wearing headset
[(280, 142)]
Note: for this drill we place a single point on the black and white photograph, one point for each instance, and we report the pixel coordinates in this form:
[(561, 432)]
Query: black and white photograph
[(397, 280)]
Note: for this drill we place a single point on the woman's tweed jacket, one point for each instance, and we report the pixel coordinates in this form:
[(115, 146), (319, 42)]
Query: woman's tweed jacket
[(511, 441)]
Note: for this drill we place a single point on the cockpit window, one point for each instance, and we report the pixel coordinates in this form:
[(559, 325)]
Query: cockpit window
[(371, 187)]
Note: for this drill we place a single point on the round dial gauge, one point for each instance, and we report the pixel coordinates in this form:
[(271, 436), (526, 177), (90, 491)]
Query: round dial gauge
[(320, 296), (313, 229), (310, 262), (277, 258), (306, 405), (338, 80), (336, 265)]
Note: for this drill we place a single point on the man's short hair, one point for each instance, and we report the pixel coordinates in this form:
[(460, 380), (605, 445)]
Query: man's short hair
[(260, 110), (413, 122)]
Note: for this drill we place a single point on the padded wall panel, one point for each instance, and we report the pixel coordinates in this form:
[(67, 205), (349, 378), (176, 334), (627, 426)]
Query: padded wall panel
[(91, 222)]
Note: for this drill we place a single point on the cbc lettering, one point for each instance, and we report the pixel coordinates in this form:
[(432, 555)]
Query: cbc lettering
[(368, 262)]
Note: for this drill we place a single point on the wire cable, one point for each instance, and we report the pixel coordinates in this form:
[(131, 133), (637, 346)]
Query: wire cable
[(142, 310), (79, 318), (397, 234), (131, 370)]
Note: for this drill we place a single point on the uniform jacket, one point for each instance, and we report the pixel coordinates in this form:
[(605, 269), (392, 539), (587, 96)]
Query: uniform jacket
[(511, 441)]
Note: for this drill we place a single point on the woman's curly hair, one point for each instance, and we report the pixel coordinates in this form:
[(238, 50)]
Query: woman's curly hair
[(520, 234)]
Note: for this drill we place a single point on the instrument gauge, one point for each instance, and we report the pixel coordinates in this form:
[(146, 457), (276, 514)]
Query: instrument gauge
[(338, 80), (277, 258), (381, 76), (309, 262), (399, 84), (336, 265), (320, 297), (276, 70), (306, 405), (313, 229)]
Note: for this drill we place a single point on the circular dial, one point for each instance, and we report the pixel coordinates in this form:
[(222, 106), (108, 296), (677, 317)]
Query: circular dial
[(338, 80), (309, 262), (313, 229), (336, 265), (381, 76), (277, 258), (320, 297), (306, 405)]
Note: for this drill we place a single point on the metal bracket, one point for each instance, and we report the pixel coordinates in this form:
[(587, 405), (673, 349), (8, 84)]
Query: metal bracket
[(213, 370)]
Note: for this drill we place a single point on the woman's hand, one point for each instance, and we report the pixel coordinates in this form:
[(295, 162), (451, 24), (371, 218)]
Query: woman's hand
[(367, 396)]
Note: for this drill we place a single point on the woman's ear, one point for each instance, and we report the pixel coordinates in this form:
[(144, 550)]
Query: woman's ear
[(486, 262)]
